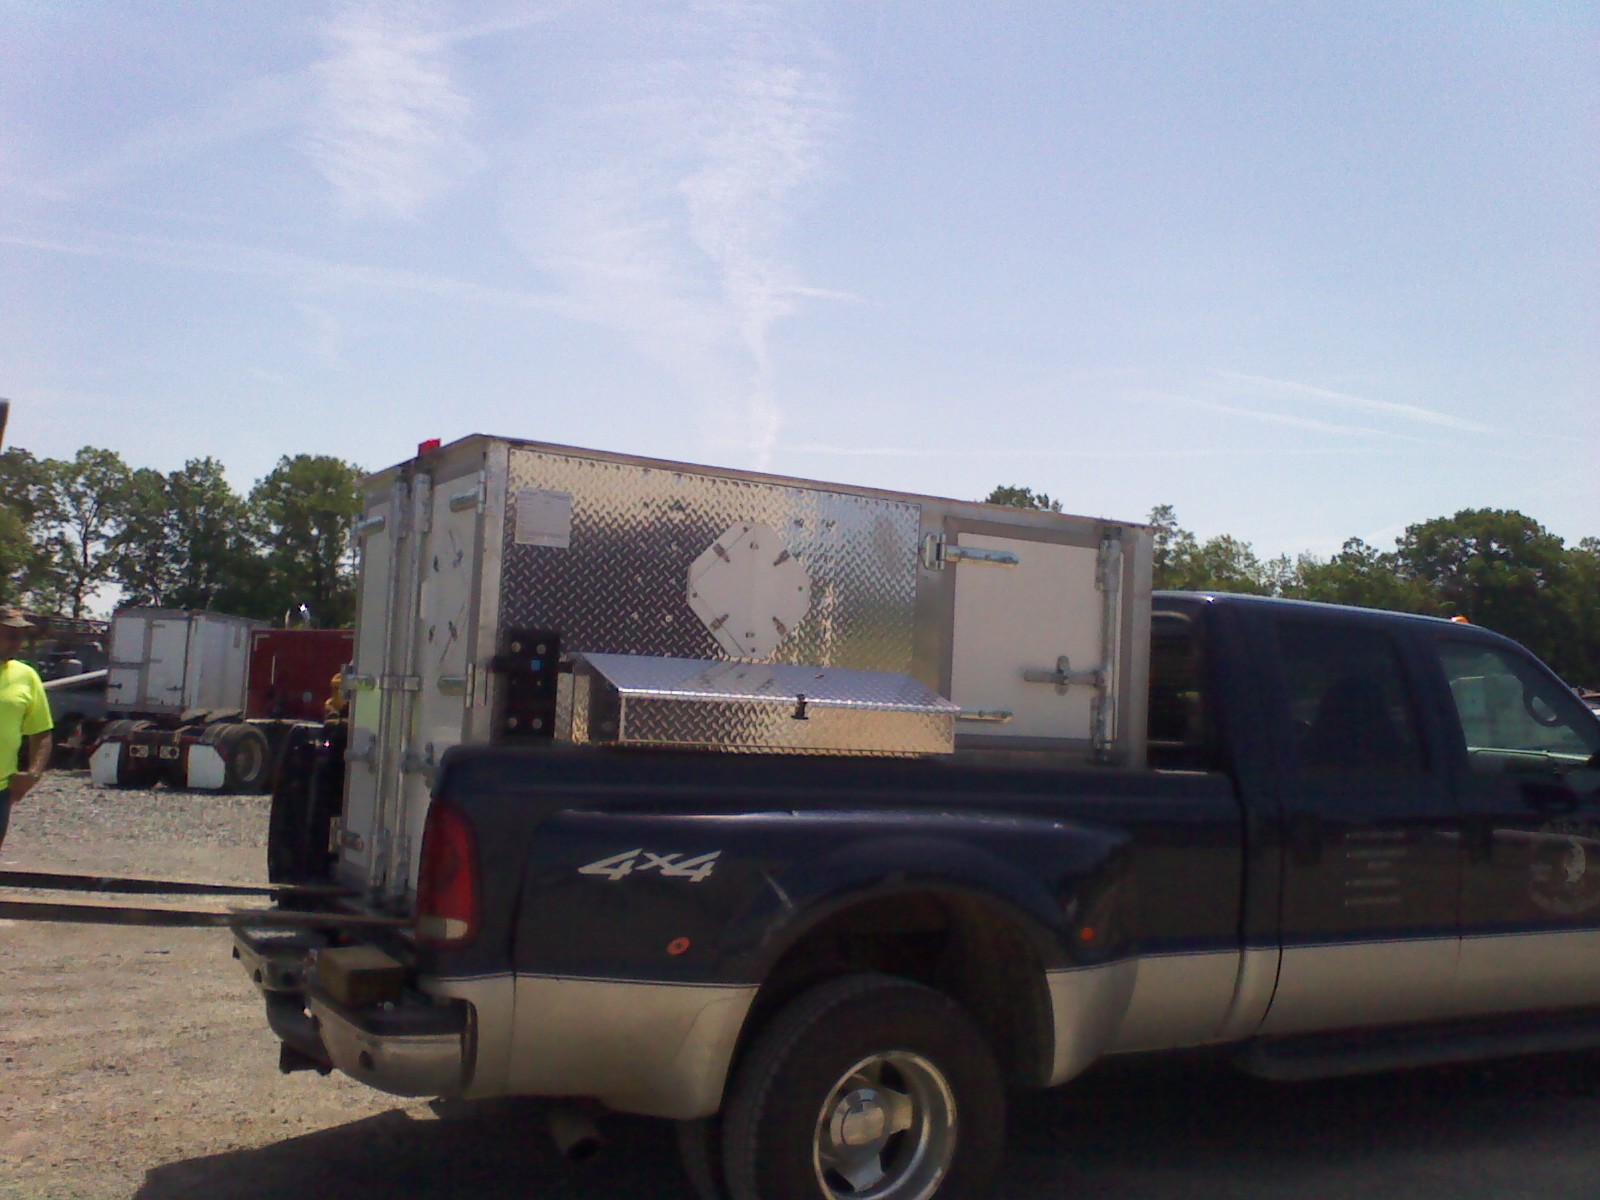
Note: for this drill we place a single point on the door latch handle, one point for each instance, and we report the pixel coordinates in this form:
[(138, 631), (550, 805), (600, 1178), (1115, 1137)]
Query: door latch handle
[(1064, 676)]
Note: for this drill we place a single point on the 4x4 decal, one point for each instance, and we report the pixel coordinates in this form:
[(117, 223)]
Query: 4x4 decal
[(671, 866)]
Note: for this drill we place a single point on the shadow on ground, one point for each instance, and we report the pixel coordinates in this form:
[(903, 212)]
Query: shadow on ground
[(1139, 1131), (496, 1150)]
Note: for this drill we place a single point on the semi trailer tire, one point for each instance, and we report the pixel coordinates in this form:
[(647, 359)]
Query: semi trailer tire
[(246, 757), (865, 1086)]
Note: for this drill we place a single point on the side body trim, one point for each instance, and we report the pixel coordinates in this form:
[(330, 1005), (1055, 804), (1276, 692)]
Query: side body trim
[(1519, 972), (492, 999), (1343, 986), (1088, 1005), (1178, 1000), (660, 1050)]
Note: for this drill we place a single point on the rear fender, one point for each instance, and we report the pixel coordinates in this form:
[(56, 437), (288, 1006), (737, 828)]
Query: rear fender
[(1050, 912), (1050, 1009)]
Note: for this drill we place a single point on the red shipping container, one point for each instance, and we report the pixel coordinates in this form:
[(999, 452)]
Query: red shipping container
[(292, 670)]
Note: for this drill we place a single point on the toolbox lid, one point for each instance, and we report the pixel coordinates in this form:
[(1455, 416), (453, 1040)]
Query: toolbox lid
[(780, 707)]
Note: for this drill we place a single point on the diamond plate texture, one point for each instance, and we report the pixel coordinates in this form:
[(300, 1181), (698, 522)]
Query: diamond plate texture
[(621, 586), (757, 707)]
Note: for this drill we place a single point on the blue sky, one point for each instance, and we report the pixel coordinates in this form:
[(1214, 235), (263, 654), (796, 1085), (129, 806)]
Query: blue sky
[(1304, 271)]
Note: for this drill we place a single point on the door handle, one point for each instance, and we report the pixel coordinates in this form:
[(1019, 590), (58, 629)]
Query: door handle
[(1064, 676)]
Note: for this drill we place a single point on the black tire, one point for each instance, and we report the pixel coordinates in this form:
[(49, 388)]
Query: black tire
[(814, 1105), (246, 758), (700, 1152)]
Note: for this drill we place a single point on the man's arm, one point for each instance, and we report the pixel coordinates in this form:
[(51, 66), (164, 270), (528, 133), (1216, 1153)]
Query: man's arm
[(39, 746)]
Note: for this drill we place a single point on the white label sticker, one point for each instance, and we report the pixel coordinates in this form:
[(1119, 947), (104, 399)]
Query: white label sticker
[(544, 518)]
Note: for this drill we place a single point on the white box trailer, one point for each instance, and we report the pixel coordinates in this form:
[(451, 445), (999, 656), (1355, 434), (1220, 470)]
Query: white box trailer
[(516, 591), (166, 661)]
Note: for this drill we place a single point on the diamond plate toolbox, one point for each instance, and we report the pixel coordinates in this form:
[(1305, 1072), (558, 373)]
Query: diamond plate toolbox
[(738, 706)]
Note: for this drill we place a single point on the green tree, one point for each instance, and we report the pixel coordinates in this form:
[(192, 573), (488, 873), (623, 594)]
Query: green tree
[(306, 510), (17, 553), (1500, 569), (1173, 545), (85, 506), (1021, 497), (1363, 575), (1220, 564), (27, 547), (185, 540), (1581, 598), (1224, 564)]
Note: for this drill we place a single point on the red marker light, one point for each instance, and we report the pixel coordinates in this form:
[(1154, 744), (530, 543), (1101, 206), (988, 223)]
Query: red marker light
[(428, 446), (678, 946)]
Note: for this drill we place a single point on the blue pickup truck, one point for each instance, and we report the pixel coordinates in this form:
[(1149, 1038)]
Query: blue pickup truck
[(1362, 841)]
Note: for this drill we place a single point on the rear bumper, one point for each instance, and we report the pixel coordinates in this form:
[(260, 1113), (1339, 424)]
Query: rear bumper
[(418, 1045), (415, 1047)]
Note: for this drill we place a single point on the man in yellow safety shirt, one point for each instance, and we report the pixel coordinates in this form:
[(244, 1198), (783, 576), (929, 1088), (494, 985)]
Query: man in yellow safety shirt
[(24, 718)]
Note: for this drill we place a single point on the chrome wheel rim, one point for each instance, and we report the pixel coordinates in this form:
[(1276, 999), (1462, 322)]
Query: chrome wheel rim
[(887, 1130)]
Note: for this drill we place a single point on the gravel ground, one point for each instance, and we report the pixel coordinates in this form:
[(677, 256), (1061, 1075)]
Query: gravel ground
[(136, 1063)]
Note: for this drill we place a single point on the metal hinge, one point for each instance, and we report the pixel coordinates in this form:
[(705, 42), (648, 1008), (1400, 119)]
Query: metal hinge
[(399, 866), (400, 683), (1100, 720), (937, 553), (424, 498), (1110, 562), (370, 525), (402, 509), (381, 859)]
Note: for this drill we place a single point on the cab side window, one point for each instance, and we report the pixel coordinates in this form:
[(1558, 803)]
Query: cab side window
[(1350, 708), (1177, 716), (1514, 717)]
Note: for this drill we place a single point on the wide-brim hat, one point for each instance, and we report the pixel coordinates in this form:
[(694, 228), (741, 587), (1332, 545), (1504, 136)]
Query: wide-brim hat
[(13, 618)]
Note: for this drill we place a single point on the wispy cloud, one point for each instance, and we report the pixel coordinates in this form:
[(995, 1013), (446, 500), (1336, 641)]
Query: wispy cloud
[(1097, 454), (254, 108), (1289, 420), (1265, 387), (658, 193), (389, 128), (379, 115), (306, 273)]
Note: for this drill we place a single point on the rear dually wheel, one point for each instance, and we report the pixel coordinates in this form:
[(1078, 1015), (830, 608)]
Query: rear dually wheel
[(865, 1088)]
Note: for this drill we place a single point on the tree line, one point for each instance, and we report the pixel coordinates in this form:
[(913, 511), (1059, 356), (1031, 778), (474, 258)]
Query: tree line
[(183, 539), (1496, 567)]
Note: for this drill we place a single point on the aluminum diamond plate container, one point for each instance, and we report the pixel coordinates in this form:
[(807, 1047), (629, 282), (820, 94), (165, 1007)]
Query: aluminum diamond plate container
[(602, 550), (687, 703), (492, 569)]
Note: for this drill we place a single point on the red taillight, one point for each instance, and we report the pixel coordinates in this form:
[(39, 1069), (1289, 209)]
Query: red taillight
[(447, 885)]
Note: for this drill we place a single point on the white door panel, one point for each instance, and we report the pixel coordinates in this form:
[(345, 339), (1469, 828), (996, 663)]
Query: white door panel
[(1013, 619)]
